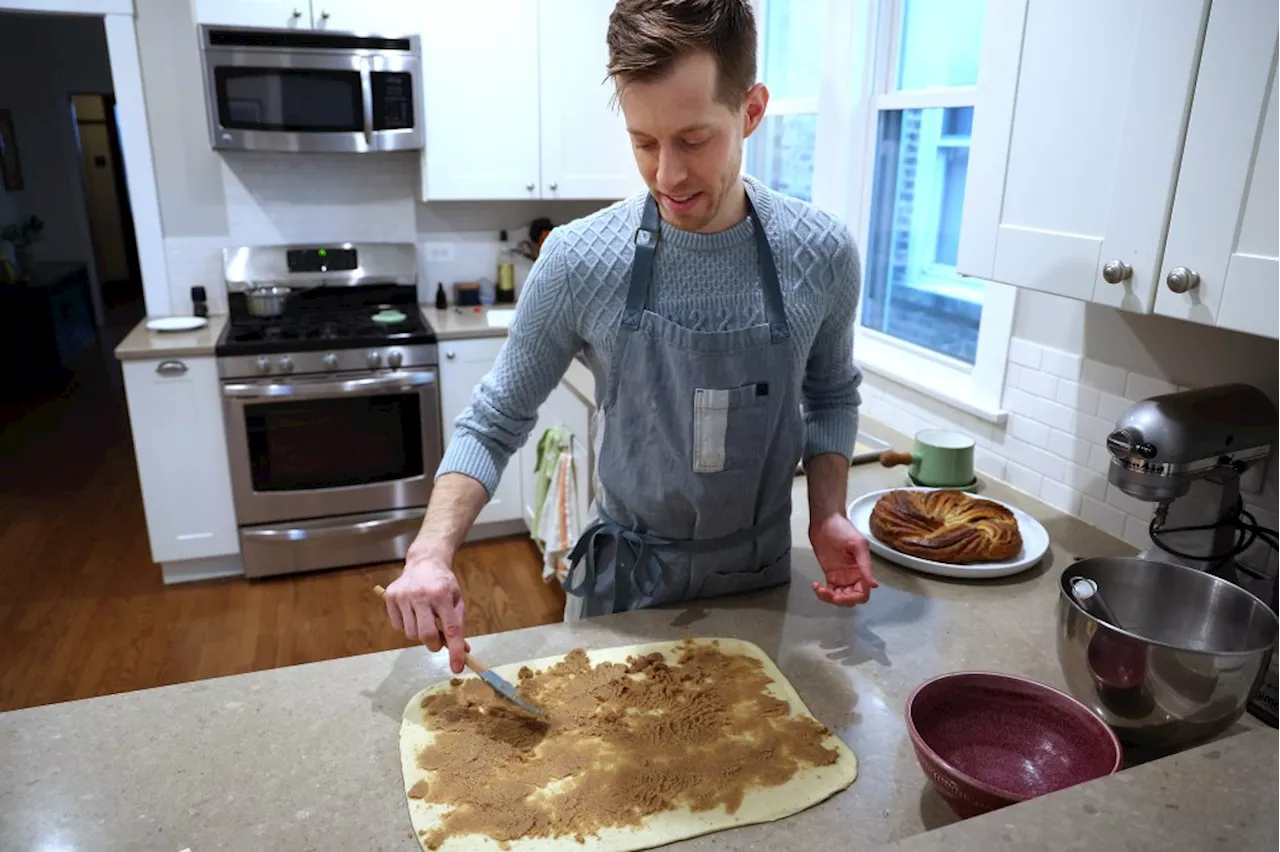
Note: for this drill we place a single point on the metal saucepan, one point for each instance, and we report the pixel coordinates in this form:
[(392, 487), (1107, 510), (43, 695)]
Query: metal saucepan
[(266, 300), (1191, 652)]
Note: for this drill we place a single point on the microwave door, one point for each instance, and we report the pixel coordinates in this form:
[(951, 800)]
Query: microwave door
[(266, 101), (394, 92)]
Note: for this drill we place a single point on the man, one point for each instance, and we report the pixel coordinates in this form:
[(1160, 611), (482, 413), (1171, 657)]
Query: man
[(710, 310)]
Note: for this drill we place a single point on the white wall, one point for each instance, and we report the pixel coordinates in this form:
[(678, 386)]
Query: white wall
[(43, 60), (210, 200), (1073, 370)]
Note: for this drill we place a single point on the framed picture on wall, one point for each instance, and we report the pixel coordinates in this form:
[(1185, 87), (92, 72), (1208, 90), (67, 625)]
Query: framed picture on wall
[(10, 167)]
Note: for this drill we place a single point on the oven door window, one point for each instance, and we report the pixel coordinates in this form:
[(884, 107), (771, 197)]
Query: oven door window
[(334, 443), (289, 100)]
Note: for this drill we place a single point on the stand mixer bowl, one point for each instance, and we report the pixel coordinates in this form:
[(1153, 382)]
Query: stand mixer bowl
[(1191, 650)]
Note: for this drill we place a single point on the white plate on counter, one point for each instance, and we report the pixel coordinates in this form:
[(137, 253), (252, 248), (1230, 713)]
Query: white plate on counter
[(171, 324), (1035, 543)]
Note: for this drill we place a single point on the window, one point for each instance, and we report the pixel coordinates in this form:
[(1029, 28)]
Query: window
[(780, 153), (871, 112)]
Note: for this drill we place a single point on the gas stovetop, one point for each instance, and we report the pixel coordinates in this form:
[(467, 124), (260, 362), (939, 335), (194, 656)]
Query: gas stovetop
[(328, 319)]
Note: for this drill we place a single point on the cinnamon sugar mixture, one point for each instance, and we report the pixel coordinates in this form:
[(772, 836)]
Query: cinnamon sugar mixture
[(616, 743)]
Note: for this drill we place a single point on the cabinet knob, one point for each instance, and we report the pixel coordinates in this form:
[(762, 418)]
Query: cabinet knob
[(1116, 271), (529, 186), (171, 368), (1181, 279), (297, 13), (451, 355), (553, 187), (324, 14)]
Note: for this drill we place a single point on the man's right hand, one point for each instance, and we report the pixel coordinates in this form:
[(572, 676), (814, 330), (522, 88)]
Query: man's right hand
[(426, 600)]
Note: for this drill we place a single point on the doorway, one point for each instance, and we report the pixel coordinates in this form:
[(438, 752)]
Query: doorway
[(106, 197)]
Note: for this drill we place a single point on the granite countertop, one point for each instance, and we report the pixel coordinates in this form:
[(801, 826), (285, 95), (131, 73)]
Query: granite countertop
[(306, 757), (464, 323), (141, 344)]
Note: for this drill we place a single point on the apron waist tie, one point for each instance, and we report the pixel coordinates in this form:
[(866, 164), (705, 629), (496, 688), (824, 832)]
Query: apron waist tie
[(637, 552)]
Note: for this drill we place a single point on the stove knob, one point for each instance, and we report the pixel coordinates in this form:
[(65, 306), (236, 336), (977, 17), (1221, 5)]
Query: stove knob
[(264, 364), (286, 364), (395, 358), (375, 360), (331, 361)]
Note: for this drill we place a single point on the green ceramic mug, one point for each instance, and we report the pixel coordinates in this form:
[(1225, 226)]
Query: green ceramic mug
[(940, 459)]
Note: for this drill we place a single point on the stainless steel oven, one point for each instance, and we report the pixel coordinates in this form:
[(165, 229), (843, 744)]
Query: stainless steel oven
[(284, 90), (332, 469)]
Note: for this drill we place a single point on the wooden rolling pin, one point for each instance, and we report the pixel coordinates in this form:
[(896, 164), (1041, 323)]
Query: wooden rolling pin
[(500, 685)]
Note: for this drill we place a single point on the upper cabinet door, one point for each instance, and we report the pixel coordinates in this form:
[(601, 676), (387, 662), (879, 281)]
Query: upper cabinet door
[(1225, 224), (586, 152), (1077, 129), (366, 17), (276, 14), (480, 84)]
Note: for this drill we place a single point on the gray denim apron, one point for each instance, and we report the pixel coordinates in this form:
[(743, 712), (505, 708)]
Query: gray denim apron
[(702, 434)]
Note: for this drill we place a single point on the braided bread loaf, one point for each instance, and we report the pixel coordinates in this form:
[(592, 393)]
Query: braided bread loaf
[(946, 526)]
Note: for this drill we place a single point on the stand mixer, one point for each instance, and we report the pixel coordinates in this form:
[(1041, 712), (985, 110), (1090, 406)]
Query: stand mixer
[(1187, 452)]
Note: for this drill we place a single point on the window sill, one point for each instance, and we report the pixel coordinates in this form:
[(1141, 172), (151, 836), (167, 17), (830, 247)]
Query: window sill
[(930, 377)]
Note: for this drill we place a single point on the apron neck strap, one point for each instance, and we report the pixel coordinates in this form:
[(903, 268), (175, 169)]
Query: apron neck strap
[(646, 239)]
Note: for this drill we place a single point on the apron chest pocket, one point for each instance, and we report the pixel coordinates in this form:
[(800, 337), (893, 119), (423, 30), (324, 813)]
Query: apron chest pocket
[(729, 426)]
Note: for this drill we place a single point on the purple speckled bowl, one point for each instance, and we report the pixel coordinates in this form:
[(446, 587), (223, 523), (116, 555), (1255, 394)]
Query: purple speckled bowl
[(989, 740)]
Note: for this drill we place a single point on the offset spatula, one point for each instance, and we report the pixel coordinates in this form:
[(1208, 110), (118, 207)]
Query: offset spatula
[(501, 686)]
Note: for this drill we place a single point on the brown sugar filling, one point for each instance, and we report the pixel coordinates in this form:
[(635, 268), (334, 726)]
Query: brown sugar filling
[(616, 744)]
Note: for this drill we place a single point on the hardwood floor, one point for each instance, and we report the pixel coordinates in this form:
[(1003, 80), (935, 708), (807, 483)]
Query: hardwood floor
[(83, 611)]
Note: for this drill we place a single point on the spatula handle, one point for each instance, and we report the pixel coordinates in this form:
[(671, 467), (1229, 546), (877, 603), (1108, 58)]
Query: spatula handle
[(472, 662)]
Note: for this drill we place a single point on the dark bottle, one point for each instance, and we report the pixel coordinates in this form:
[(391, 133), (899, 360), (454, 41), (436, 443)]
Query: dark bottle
[(442, 301), (199, 302)]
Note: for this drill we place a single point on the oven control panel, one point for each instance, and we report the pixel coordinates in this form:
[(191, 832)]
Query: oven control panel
[(373, 359)]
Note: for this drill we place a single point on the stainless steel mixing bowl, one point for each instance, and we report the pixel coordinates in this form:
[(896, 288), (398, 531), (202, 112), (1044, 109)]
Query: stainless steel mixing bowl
[(1190, 650)]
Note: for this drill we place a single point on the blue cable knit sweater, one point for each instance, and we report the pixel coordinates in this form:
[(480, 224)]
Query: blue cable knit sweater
[(572, 300)]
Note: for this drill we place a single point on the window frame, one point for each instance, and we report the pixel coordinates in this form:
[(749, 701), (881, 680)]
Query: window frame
[(859, 79)]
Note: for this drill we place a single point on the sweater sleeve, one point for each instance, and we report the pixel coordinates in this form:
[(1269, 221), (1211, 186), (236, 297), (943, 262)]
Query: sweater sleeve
[(542, 340), (831, 379)]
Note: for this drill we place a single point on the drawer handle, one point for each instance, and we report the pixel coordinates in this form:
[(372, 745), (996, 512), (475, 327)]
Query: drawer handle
[(171, 368)]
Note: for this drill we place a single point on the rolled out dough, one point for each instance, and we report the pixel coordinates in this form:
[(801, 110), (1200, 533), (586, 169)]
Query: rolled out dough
[(805, 789)]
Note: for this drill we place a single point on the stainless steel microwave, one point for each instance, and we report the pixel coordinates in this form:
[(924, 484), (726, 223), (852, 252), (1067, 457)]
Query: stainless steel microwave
[(284, 90)]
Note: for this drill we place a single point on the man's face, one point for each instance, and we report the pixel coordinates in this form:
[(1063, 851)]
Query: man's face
[(688, 145)]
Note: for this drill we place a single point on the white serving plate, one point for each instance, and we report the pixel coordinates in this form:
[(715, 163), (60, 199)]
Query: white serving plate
[(1035, 543), (177, 323)]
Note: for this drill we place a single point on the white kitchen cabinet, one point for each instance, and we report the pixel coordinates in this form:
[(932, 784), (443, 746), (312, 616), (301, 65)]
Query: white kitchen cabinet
[(175, 412), (366, 17), (586, 152), (273, 14), (517, 104), (479, 67), (463, 364), (1077, 130), (1224, 226)]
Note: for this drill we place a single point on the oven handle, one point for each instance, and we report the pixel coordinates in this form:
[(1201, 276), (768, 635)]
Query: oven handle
[(366, 92), (281, 534), (328, 388)]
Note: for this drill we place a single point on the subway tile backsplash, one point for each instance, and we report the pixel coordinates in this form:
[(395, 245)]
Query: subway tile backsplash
[(1061, 408)]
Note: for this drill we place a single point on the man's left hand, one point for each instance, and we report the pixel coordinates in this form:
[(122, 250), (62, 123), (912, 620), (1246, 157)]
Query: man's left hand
[(845, 558)]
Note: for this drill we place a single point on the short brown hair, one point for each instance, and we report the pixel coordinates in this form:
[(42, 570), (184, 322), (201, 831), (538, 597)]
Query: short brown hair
[(647, 37)]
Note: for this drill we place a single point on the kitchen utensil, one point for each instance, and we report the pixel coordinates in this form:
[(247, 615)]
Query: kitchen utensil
[(1119, 663), (941, 458), (1035, 543), (172, 324), (1192, 649), (267, 300), (988, 740), (500, 685)]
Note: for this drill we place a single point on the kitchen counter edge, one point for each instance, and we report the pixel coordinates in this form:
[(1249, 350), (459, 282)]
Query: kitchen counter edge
[(140, 344)]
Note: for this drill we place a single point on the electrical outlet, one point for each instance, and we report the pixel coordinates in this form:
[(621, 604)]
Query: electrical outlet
[(439, 252)]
